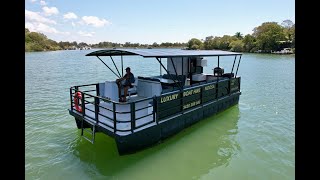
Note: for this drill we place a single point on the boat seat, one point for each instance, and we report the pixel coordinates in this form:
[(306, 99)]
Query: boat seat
[(149, 78), (133, 90), (228, 75), (181, 79), (148, 87), (199, 77)]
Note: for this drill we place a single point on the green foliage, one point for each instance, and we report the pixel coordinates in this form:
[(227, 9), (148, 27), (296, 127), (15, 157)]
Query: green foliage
[(225, 42), (39, 42), (28, 39), (33, 47), (254, 49), (287, 23), (195, 43), (293, 41), (166, 44), (238, 35), (268, 36), (237, 45), (289, 31), (249, 42), (138, 45), (219, 42), (82, 44), (212, 42)]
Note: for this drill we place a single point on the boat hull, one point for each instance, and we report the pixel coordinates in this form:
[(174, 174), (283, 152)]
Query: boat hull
[(152, 135)]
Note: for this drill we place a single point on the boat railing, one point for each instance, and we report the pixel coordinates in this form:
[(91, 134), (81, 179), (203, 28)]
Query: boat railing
[(162, 107), (95, 99), (172, 103)]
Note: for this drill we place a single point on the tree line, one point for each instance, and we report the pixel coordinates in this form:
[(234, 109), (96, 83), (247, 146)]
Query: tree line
[(269, 36), (35, 41), (138, 45), (39, 42)]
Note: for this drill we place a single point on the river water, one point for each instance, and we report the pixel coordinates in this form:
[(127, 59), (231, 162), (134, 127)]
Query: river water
[(252, 140)]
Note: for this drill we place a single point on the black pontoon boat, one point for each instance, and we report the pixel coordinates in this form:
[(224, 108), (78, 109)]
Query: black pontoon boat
[(157, 106)]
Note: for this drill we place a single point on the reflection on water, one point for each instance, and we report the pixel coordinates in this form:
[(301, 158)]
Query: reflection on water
[(205, 145)]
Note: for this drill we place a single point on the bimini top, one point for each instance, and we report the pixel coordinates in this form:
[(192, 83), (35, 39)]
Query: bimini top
[(161, 53)]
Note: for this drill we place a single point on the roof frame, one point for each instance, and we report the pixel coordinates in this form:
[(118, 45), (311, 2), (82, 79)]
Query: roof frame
[(161, 53)]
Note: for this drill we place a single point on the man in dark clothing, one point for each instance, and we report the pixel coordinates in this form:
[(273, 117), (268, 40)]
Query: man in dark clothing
[(129, 79)]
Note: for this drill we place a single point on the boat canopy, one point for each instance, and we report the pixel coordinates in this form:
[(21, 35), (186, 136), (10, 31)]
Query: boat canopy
[(161, 53), (177, 54)]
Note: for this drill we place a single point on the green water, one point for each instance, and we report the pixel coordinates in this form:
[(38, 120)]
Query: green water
[(252, 140)]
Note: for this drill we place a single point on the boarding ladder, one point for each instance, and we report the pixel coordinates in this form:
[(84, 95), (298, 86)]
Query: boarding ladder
[(91, 131)]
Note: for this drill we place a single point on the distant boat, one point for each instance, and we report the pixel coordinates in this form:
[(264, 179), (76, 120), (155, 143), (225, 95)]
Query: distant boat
[(84, 48), (283, 51)]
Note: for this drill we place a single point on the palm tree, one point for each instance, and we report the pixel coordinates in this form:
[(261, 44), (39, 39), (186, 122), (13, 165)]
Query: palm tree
[(238, 35)]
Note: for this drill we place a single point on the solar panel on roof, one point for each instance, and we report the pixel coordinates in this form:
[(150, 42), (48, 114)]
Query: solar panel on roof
[(161, 52)]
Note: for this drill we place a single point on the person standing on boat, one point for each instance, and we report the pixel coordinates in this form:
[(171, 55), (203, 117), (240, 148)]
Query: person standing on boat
[(129, 79)]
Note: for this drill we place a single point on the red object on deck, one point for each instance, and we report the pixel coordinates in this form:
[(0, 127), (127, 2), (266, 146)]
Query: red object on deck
[(77, 97)]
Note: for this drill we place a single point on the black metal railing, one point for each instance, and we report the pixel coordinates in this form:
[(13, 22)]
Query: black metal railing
[(95, 100)]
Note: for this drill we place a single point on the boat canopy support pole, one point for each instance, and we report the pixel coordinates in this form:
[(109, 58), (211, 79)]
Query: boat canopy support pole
[(108, 67), (189, 70), (175, 70), (115, 65), (233, 63), (218, 76), (121, 64), (160, 68), (182, 66), (238, 66), (169, 73), (174, 67)]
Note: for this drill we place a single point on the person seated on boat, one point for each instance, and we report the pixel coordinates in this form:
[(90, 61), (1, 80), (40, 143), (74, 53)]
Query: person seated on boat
[(125, 82)]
